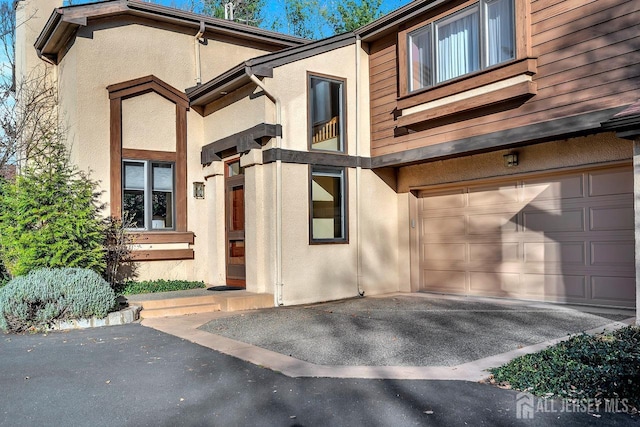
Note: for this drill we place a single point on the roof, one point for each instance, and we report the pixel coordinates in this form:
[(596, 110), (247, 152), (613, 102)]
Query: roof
[(392, 21), (65, 21), (261, 66), (626, 123)]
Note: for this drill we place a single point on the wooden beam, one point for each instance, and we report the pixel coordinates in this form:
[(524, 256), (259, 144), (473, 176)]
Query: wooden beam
[(162, 255)]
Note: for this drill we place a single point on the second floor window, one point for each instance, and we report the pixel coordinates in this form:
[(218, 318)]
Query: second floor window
[(326, 114), (477, 37), (148, 194)]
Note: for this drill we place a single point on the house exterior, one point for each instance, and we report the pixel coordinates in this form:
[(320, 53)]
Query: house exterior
[(478, 147)]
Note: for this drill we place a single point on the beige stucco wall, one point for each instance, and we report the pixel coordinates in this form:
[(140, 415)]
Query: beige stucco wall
[(237, 116), (109, 54), (149, 123), (580, 151), (289, 83), (320, 272), (31, 16)]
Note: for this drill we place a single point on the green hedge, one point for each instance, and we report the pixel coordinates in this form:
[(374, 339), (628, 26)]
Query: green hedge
[(34, 301), (599, 366), (151, 286)]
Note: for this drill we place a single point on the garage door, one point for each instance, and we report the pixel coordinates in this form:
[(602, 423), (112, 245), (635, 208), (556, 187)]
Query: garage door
[(564, 237)]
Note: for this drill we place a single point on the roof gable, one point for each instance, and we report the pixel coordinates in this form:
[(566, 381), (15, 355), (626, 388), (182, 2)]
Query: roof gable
[(65, 21)]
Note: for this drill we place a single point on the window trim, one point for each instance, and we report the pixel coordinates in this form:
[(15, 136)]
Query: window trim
[(342, 172), (522, 45), (343, 112), (136, 87), (148, 192)]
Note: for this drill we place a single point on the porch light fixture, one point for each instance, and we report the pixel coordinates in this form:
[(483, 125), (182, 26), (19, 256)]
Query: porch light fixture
[(198, 190), (510, 160)]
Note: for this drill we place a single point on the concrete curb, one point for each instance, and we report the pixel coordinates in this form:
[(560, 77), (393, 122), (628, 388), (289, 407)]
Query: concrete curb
[(124, 316)]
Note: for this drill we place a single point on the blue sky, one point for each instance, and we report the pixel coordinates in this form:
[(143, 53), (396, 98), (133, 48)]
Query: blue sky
[(272, 10)]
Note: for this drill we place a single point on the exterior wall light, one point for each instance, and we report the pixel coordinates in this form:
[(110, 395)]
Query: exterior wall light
[(511, 160), (198, 190)]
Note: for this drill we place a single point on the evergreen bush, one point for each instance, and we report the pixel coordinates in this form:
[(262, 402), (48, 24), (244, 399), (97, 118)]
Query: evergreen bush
[(34, 301), (49, 217)]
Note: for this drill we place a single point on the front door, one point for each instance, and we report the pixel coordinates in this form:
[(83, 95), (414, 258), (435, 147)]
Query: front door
[(234, 191)]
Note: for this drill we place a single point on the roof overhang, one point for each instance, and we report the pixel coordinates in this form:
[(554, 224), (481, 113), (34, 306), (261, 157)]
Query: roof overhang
[(626, 123), (261, 66), (392, 21), (64, 22)]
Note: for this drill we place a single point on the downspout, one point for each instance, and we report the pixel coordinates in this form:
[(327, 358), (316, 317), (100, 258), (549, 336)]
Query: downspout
[(358, 46), (196, 47), (278, 300)]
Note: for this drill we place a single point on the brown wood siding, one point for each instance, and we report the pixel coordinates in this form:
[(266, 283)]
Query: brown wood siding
[(587, 57), (384, 87)]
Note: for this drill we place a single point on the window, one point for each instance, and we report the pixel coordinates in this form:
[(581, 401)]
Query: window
[(477, 37), (326, 114), (328, 212), (148, 194)]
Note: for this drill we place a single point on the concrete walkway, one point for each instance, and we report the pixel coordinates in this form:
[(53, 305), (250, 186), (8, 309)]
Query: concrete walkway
[(399, 336)]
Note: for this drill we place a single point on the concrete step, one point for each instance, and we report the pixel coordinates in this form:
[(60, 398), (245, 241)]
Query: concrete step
[(178, 306), (245, 302), (178, 311), (153, 304)]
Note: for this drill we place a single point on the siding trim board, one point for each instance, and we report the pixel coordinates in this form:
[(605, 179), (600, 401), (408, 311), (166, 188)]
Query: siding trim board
[(539, 132), (314, 158)]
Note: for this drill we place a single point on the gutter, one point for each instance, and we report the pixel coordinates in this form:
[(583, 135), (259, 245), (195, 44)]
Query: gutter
[(278, 298), (196, 46)]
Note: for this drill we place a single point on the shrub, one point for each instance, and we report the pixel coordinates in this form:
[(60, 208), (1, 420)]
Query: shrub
[(151, 286), (600, 366), (118, 240), (49, 217), (34, 301)]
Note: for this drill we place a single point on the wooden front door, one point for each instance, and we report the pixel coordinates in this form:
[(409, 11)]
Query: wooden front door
[(234, 192)]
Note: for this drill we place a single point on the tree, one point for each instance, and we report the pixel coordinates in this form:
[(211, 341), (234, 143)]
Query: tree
[(298, 18), (27, 104), (244, 11), (353, 14), (50, 215)]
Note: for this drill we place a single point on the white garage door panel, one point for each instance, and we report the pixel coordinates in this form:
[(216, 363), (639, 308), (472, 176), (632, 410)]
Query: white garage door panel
[(554, 220), (613, 254), (569, 253), (611, 218), (567, 238), (611, 183), (555, 287), (615, 289)]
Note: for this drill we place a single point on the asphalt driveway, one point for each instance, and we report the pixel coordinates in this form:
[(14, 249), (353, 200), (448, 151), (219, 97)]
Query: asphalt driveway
[(135, 376), (408, 330)]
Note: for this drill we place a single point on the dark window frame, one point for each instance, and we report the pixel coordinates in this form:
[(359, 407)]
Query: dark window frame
[(342, 174), (148, 193), (522, 51), (478, 8), (342, 116)]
